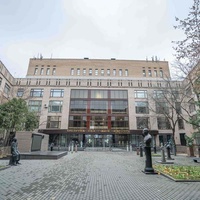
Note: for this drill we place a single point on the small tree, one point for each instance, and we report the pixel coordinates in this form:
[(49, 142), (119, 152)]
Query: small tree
[(14, 116)]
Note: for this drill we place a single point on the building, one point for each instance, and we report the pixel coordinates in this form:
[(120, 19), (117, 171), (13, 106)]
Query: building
[(97, 102)]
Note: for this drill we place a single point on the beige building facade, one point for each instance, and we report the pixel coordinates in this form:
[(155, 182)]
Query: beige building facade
[(96, 102)]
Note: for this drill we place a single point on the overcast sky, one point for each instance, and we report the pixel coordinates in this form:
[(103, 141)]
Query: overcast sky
[(121, 29)]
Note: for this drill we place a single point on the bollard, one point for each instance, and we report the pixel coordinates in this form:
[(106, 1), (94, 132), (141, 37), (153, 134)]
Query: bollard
[(141, 150), (76, 148), (127, 147), (131, 149), (137, 150), (162, 154)]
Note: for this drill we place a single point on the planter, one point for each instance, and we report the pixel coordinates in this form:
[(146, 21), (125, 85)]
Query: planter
[(190, 151)]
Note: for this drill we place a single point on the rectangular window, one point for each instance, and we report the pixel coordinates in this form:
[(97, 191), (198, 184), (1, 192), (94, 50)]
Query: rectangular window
[(178, 107), (126, 72), (54, 71), (20, 92), (118, 94), (182, 139), (114, 72), (48, 70), (96, 72), (99, 94), (188, 91), (142, 122), (119, 122), (162, 108), (142, 107), (90, 72), (0, 80), (35, 105), (78, 106), (77, 122), (72, 72), (141, 94), (175, 94), (159, 94), (108, 72), (36, 71), (102, 72), (36, 92), (180, 123), (163, 123), (53, 121), (41, 71), (155, 73), (7, 89), (78, 72), (55, 106), (161, 73), (79, 94), (99, 122), (120, 72), (144, 73), (149, 71), (98, 106), (84, 71), (192, 107), (119, 106), (57, 93)]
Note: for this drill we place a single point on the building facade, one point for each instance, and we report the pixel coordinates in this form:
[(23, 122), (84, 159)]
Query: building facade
[(99, 103)]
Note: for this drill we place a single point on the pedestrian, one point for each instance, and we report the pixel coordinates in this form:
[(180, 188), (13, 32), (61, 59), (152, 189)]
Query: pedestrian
[(51, 146)]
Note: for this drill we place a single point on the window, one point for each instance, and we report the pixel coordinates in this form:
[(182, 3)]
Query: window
[(77, 122), (120, 72), (84, 71), (99, 94), (142, 94), (141, 107), (55, 106), (159, 94), (182, 139), (144, 73), (35, 105), (102, 72), (155, 73), (72, 71), (78, 72), (36, 92), (161, 73), (142, 122), (192, 107), (99, 122), (20, 92), (78, 106), (79, 94), (188, 91), (96, 72), (0, 80), (41, 71), (126, 72), (7, 89), (149, 72), (48, 70), (54, 71), (175, 94), (53, 121), (108, 72), (180, 123), (114, 72), (162, 108), (119, 107), (36, 71), (163, 123), (98, 106), (194, 125), (57, 93), (118, 94), (90, 72), (119, 122), (178, 107)]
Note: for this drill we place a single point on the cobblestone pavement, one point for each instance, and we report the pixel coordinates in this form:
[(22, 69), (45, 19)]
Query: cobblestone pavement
[(93, 176)]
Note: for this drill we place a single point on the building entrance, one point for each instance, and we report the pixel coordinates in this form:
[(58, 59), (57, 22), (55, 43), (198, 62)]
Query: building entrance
[(98, 140)]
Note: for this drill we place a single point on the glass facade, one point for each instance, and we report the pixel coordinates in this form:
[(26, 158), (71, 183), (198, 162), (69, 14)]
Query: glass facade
[(99, 109)]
